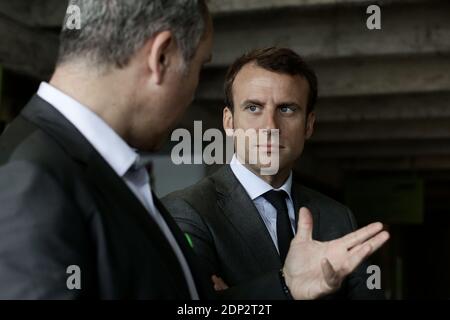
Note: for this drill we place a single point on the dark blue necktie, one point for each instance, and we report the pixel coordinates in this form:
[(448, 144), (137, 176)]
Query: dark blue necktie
[(284, 228)]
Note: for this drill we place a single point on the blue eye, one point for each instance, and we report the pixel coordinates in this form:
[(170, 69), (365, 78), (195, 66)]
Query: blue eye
[(252, 108), (287, 109)]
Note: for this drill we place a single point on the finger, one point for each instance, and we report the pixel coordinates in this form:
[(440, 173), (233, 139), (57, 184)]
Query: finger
[(375, 242), (305, 225), (330, 275), (355, 259), (359, 236), (219, 284), (361, 252)]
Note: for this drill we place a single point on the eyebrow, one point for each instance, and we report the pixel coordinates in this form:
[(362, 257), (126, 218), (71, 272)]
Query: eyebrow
[(290, 103), (282, 104), (251, 101)]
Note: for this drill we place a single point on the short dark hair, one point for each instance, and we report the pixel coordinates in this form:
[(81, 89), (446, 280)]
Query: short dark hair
[(279, 60)]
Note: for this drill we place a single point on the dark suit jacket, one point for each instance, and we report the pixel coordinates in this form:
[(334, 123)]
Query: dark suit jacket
[(232, 241), (61, 204)]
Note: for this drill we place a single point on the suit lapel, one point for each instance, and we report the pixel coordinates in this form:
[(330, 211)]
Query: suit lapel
[(204, 285), (243, 215), (114, 188)]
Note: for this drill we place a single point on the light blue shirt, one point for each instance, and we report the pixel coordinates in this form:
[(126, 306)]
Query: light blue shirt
[(120, 156), (255, 188)]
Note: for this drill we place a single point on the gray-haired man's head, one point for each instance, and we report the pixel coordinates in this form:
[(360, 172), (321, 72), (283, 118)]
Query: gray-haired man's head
[(136, 63), (113, 30)]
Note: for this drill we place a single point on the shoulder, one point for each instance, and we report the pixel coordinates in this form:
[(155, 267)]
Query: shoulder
[(38, 169), (201, 200), (323, 201), (25, 141), (196, 197), (335, 219), (26, 144)]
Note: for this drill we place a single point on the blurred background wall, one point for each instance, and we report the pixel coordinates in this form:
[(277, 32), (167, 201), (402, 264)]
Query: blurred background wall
[(382, 139)]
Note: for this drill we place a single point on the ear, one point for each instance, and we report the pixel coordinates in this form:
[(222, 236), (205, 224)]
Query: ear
[(228, 118), (159, 56), (311, 119)]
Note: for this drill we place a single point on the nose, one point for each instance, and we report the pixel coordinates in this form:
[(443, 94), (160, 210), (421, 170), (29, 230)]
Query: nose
[(270, 120)]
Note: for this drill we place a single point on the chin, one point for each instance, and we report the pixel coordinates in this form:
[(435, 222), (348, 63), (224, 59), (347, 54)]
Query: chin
[(154, 139), (157, 143), (146, 144), (160, 143)]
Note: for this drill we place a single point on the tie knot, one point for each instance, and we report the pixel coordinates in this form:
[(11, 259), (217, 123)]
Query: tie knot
[(277, 198), (142, 161)]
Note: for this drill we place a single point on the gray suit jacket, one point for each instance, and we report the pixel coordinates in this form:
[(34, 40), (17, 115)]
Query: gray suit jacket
[(232, 241)]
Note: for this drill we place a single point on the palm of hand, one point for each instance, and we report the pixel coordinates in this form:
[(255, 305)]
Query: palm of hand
[(313, 268), (310, 281)]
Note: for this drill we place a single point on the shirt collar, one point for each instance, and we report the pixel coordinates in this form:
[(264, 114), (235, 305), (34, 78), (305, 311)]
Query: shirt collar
[(117, 153), (254, 185)]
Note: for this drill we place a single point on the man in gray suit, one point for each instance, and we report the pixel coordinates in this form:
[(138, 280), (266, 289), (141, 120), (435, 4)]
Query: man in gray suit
[(78, 219), (241, 222)]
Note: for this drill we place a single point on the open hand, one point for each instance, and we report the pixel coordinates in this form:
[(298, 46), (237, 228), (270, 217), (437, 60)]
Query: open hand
[(313, 268)]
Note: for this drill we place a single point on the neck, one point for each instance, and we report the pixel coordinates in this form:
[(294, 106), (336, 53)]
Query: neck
[(105, 93), (276, 180)]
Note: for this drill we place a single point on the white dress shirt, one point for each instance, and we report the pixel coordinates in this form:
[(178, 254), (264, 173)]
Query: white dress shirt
[(255, 188), (120, 156)]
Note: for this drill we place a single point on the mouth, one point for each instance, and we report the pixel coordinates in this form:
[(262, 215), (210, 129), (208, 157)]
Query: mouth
[(270, 147)]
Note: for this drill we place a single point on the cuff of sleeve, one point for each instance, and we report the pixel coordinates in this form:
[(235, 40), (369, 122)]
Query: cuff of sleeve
[(286, 290)]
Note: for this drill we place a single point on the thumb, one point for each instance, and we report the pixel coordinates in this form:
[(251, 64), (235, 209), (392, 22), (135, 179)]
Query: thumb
[(219, 284), (305, 224), (330, 275)]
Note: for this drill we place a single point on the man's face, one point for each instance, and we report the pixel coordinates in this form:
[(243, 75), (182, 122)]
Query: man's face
[(268, 100)]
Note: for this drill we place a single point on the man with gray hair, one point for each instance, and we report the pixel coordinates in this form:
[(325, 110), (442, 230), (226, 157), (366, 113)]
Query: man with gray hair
[(78, 217)]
